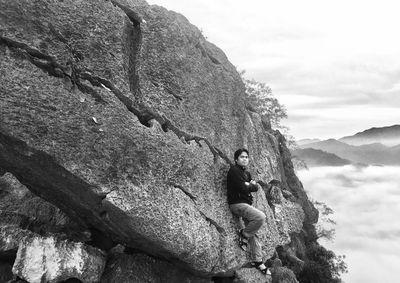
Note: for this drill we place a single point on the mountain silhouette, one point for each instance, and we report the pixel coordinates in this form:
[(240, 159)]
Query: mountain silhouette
[(389, 136), (315, 157), (378, 146), (307, 141), (375, 153)]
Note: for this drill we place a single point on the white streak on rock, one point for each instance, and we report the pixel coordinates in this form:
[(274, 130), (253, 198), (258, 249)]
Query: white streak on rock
[(42, 259)]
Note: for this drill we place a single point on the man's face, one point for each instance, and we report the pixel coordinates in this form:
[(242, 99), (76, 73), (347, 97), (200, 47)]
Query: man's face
[(243, 159)]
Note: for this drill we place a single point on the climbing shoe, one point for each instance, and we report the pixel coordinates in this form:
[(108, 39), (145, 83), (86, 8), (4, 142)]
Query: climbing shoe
[(261, 267)]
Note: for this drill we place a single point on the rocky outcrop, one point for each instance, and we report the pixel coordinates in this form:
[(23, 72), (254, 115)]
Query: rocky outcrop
[(125, 118), (50, 260), (292, 182)]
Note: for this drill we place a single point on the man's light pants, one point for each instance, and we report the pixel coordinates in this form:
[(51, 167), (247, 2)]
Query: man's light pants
[(253, 219)]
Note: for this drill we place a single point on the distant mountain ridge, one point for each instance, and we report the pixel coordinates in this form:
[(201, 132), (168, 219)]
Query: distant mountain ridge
[(373, 146), (389, 136), (307, 141), (375, 153), (315, 157)]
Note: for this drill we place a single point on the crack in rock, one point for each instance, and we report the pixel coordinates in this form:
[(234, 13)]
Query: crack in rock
[(132, 15), (29, 166), (205, 53), (170, 91), (186, 192), (167, 88), (49, 64), (144, 114), (220, 229)]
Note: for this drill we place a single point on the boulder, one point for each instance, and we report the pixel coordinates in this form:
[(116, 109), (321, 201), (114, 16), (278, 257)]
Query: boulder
[(124, 117), (48, 259)]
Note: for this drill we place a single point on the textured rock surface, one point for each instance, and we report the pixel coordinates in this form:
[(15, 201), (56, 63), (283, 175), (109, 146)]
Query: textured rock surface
[(132, 268), (288, 215), (9, 185), (283, 275), (22, 214), (251, 275), (11, 235), (48, 259), (292, 182), (122, 115)]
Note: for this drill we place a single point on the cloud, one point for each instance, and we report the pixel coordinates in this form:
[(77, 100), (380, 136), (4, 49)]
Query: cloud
[(337, 122), (366, 205), (302, 117)]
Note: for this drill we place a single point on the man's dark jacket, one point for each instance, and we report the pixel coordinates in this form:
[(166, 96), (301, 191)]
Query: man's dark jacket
[(238, 191)]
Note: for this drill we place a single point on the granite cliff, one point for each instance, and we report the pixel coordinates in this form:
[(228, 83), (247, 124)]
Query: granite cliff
[(118, 124)]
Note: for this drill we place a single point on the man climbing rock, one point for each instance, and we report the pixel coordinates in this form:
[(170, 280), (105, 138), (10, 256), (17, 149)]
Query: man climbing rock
[(240, 185)]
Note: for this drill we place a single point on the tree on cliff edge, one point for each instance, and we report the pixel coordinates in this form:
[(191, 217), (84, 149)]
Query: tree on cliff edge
[(261, 100)]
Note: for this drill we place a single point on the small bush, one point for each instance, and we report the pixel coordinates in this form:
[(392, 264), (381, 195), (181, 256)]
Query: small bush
[(322, 266)]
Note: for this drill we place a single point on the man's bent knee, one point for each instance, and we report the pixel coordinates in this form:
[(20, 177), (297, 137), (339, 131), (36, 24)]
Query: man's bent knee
[(261, 217)]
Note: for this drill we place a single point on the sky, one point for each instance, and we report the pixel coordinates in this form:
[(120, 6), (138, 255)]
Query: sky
[(365, 204), (335, 65)]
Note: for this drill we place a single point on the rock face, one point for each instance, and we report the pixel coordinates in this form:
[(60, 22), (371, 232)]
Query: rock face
[(251, 275), (132, 268), (123, 116), (24, 215), (283, 275), (50, 260)]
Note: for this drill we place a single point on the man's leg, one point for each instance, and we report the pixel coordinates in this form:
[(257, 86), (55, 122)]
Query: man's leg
[(255, 249), (253, 219)]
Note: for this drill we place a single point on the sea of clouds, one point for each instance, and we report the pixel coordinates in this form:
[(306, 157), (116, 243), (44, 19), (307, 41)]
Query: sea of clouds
[(366, 204)]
